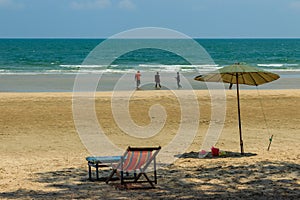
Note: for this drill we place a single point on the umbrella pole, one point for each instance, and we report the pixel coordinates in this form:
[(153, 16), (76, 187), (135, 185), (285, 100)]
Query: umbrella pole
[(239, 113)]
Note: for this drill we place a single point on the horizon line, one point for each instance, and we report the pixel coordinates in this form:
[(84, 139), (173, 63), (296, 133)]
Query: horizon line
[(150, 38)]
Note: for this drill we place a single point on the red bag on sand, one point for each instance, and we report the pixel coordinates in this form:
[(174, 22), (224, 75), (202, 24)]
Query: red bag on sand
[(214, 151)]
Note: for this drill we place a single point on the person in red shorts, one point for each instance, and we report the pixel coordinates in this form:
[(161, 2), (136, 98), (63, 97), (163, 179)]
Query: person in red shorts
[(137, 78)]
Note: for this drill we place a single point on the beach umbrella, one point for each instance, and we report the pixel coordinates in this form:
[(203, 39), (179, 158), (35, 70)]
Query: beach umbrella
[(239, 74)]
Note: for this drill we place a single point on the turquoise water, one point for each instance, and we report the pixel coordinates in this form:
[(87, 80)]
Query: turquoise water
[(37, 65), (64, 56)]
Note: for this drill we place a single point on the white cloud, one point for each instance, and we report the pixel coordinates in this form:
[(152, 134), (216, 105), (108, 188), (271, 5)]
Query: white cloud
[(10, 4), (90, 4), (126, 4), (295, 5)]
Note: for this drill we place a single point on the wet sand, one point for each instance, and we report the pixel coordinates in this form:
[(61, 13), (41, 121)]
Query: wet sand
[(65, 82)]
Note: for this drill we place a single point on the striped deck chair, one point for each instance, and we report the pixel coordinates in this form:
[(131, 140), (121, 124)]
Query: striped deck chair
[(136, 160)]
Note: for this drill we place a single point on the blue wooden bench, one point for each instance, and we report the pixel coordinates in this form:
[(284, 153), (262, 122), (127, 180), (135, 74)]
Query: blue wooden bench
[(100, 161)]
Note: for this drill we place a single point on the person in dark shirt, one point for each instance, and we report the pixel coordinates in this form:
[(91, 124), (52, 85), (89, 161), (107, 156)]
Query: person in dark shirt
[(157, 80)]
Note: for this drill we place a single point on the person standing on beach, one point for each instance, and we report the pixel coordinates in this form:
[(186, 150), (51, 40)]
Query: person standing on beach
[(178, 80), (137, 78), (157, 80)]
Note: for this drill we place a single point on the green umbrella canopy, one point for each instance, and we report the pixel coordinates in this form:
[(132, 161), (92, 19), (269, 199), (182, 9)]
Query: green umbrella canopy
[(246, 75)]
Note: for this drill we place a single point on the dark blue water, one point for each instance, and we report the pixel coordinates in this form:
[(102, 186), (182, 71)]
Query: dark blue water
[(275, 54), (64, 56)]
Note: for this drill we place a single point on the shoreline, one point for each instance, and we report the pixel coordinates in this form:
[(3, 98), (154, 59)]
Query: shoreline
[(65, 82)]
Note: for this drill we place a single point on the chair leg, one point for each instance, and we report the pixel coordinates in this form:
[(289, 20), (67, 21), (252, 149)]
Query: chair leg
[(149, 180), (97, 171), (137, 177), (90, 172), (111, 175), (143, 173), (155, 176), (122, 177)]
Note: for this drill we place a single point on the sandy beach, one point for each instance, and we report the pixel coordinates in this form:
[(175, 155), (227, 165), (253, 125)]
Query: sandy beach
[(42, 156)]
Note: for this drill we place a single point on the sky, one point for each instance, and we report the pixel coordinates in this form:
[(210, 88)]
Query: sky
[(104, 18)]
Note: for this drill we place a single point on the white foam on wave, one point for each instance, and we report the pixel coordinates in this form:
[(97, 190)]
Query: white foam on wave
[(283, 67), (277, 65), (183, 68), (270, 65), (87, 66), (121, 69)]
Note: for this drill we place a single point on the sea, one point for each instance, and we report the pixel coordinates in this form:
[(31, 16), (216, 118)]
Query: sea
[(52, 65)]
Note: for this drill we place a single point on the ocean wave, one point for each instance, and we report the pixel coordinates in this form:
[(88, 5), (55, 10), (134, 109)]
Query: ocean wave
[(86, 66), (182, 68), (142, 67), (278, 65), (122, 69)]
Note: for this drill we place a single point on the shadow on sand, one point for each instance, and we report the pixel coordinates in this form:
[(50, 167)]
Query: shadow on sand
[(228, 154), (262, 180)]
